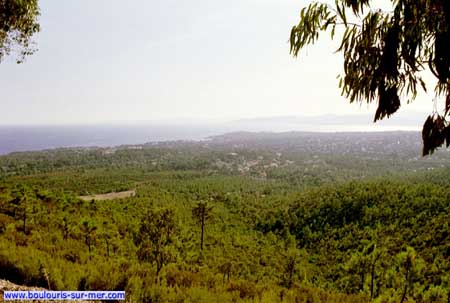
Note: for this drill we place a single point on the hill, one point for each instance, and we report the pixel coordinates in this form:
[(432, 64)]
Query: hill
[(293, 217)]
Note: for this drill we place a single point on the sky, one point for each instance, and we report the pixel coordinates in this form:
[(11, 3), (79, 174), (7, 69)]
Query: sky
[(115, 61)]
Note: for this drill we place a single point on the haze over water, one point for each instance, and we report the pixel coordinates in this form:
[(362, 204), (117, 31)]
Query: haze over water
[(26, 138)]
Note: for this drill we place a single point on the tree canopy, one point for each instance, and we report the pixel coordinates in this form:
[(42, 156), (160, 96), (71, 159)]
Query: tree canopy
[(385, 53), (18, 23)]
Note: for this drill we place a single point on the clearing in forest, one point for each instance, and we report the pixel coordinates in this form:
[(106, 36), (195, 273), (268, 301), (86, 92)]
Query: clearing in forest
[(110, 196)]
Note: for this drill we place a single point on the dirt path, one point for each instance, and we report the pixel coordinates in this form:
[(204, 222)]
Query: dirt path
[(110, 196)]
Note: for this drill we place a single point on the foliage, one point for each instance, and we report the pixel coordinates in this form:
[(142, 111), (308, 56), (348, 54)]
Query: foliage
[(282, 238), (155, 236), (385, 53), (202, 213), (18, 23)]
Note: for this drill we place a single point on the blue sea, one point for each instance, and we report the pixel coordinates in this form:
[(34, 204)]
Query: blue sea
[(28, 138)]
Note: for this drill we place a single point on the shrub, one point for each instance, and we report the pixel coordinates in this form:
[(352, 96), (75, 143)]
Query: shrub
[(246, 289)]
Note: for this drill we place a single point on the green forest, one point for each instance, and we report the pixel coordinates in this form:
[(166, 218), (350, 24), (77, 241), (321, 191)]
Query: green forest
[(238, 218)]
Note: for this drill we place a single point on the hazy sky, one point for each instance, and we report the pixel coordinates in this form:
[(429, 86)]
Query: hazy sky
[(141, 60)]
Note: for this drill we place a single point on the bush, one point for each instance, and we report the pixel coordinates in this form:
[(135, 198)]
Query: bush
[(246, 289), (5, 220), (180, 278)]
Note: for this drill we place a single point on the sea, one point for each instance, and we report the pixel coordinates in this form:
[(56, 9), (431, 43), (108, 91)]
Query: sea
[(31, 138)]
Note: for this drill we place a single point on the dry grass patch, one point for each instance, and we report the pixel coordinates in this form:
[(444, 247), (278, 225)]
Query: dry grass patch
[(110, 196)]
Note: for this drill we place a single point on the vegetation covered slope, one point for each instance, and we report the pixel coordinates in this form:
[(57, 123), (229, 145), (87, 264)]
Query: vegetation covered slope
[(267, 237)]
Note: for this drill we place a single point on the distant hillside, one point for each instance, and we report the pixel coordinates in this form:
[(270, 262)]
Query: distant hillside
[(293, 156), (38, 137), (405, 143)]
